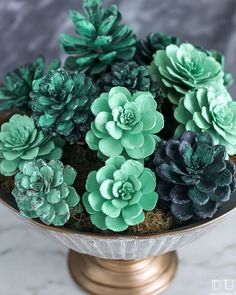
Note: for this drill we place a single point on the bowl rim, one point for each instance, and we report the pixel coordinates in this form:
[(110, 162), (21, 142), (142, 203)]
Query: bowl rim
[(4, 197)]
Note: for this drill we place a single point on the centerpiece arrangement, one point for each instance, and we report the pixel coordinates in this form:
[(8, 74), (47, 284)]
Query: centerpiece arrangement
[(127, 137)]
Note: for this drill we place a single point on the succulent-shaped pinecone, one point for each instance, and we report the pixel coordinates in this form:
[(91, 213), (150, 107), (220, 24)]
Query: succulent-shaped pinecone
[(212, 110), (44, 190), (180, 69), (220, 58), (125, 124), (193, 176), (101, 41), (118, 194), (154, 41), (15, 91), (61, 104), (21, 141), (128, 74)]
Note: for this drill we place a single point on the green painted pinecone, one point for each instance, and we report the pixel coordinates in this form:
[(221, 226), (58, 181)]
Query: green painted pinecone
[(218, 56), (125, 124), (193, 176), (118, 194), (184, 68), (211, 110), (15, 91), (21, 141), (61, 104), (154, 41), (128, 74), (44, 190), (101, 38)]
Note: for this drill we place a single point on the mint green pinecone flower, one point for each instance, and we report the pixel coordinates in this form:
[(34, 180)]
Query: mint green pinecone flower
[(183, 68), (211, 110), (44, 190), (118, 193), (220, 58), (125, 124), (21, 141)]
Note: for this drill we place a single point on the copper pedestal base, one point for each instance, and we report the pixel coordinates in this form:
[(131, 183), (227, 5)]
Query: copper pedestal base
[(150, 276)]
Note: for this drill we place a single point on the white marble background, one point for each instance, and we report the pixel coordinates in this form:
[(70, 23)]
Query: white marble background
[(31, 264)]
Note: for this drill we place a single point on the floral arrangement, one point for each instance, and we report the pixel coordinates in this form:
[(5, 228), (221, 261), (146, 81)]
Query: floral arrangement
[(126, 136)]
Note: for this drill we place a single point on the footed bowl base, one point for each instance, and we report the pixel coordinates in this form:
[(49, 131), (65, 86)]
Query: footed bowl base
[(149, 276)]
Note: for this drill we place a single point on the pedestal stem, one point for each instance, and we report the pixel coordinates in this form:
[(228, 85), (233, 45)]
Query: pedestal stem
[(149, 276)]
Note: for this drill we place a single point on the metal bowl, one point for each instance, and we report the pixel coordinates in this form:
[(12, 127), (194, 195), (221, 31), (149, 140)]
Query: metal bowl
[(126, 247)]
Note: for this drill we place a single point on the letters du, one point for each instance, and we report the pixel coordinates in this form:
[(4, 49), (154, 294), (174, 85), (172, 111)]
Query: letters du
[(224, 285)]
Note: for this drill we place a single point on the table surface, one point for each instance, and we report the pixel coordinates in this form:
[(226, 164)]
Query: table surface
[(33, 264)]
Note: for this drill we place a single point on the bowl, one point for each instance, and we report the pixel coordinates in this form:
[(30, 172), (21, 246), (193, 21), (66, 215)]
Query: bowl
[(124, 264)]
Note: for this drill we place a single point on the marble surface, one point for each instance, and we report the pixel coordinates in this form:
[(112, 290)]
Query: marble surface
[(31, 264)]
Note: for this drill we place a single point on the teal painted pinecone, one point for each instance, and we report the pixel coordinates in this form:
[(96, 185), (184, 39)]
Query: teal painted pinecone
[(180, 69), (211, 110), (21, 141), (44, 190), (220, 58), (118, 194), (154, 41), (15, 91), (125, 124), (127, 74), (101, 38), (194, 177), (61, 104)]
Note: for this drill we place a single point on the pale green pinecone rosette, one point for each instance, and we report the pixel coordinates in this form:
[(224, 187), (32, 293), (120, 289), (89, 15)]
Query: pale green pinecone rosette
[(125, 124), (61, 104), (15, 91), (20, 141), (183, 68), (44, 190), (220, 58), (211, 110), (101, 38), (118, 193)]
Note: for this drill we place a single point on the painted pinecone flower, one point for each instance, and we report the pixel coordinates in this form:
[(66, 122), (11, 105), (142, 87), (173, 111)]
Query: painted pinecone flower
[(61, 104), (211, 110), (101, 38), (220, 58), (184, 68), (44, 190), (15, 91), (118, 193), (21, 141), (128, 74), (125, 124), (193, 176), (154, 41)]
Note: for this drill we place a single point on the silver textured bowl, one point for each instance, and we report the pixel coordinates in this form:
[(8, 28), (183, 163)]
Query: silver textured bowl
[(127, 248)]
